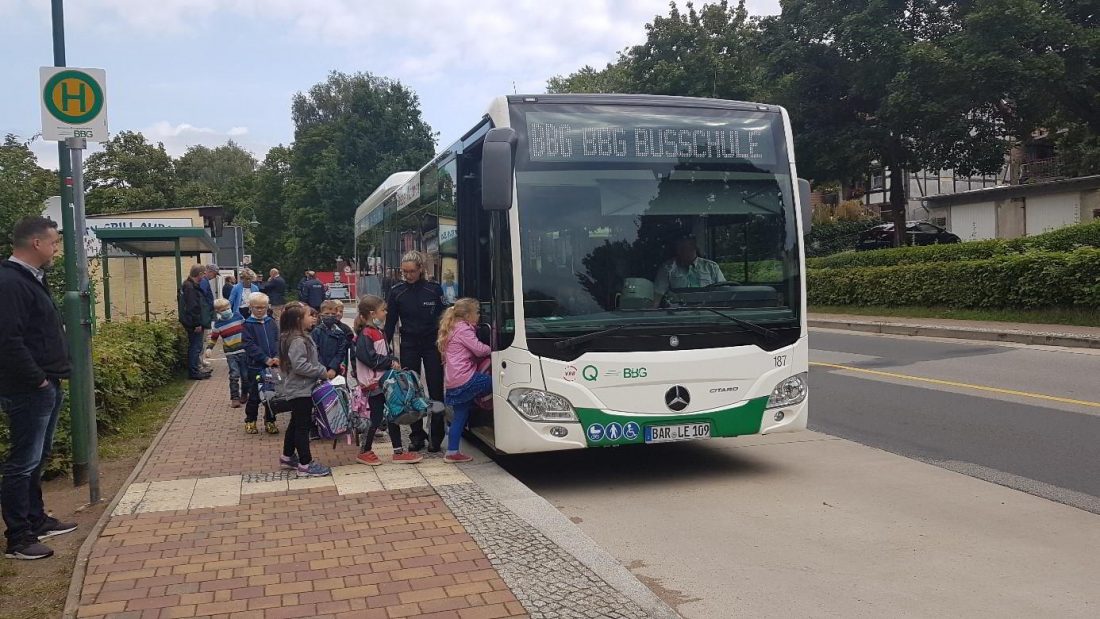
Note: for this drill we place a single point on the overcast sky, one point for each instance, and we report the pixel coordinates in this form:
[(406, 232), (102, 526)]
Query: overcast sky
[(187, 72)]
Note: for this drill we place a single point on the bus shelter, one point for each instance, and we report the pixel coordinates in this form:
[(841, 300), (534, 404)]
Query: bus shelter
[(148, 243)]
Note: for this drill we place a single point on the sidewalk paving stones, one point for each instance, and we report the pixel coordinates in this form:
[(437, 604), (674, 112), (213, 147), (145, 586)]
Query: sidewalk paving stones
[(227, 535)]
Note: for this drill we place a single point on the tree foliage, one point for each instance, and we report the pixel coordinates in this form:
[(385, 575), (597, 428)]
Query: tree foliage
[(130, 174), (707, 52), (351, 132), (222, 176), (275, 189), (23, 187)]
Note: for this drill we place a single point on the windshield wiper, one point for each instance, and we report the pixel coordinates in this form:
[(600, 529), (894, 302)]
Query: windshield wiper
[(741, 322), (751, 326), (580, 339)]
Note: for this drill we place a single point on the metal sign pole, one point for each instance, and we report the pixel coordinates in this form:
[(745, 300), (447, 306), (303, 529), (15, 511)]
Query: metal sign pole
[(83, 380)]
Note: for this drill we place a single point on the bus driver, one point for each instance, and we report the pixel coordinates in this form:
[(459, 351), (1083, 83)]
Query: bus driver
[(686, 270)]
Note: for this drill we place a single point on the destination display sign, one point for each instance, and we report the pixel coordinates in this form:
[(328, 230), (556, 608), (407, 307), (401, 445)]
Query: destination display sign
[(649, 137)]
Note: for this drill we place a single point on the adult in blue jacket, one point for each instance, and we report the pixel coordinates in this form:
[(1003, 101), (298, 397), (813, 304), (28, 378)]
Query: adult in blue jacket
[(243, 291), (261, 345)]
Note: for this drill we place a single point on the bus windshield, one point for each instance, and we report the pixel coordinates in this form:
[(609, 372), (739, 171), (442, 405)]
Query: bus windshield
[(642, 218)]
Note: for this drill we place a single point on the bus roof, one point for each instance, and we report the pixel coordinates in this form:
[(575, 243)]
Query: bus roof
[(623, 99), (388, 186)]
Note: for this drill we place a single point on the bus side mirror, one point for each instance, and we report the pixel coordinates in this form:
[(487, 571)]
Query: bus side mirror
[(498, 165), (804, 201)]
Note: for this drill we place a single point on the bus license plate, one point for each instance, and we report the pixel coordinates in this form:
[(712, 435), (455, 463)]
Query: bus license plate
[(679, 432)]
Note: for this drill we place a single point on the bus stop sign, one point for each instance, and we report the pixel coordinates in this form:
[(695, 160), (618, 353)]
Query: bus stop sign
[(74, 103)]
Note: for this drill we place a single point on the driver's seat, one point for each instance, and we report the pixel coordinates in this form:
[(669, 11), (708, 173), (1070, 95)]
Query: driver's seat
[(637, 293)]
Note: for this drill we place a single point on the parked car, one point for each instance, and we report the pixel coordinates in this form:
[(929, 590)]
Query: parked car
[(919, 233)]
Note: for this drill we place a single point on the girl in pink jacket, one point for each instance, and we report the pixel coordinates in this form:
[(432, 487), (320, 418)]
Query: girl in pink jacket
[(462, 353)]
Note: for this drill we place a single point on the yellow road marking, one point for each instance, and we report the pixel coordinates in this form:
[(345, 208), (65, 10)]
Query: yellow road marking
[(951, 383)]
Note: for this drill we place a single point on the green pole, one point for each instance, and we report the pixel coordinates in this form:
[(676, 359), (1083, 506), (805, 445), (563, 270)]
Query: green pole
[(78, 347), (82, 381), (91, 308), (179, 266), (106, 282), (145, 282)]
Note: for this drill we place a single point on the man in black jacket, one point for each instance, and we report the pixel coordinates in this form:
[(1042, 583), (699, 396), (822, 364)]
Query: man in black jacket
[(418, 304), (275, 289), (193, 317), (34, 361)]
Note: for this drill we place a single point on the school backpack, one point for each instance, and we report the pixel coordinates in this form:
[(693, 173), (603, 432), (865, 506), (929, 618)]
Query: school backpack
[(331, 407), (405, 401), (359, 417)]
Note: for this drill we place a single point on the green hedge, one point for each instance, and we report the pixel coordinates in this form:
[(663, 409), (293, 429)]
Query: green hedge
[(1029, 280), (972, 250), (829, 238), (129, 359), (1061, 240)]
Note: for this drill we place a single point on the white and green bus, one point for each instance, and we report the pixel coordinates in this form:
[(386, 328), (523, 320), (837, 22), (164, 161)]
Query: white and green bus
[(638, 259)]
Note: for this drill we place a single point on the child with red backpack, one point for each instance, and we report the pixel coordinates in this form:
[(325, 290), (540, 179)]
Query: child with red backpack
[(372, 359)]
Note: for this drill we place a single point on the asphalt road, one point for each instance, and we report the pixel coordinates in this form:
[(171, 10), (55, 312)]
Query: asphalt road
[(868, 515), (1036, 444)]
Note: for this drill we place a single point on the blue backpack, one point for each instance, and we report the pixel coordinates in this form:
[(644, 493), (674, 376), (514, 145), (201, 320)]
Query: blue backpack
[(405, 401)]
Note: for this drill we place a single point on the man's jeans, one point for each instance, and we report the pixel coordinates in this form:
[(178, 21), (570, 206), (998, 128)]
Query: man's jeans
[(32, 419), (194, 352)]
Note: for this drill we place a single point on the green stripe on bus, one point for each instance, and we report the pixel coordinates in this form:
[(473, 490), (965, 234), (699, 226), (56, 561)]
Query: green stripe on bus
[(736, 421)]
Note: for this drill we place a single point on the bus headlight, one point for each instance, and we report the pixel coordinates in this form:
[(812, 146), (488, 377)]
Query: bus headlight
[(789, 392), (538, 405)]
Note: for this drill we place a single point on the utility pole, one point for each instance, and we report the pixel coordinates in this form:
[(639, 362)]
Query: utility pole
[(76, 301)]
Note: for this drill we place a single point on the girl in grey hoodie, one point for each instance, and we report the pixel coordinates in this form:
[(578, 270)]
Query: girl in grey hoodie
[(301, 371)]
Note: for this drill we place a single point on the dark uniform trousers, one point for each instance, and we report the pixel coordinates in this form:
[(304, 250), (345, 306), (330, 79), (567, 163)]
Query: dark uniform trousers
[(424, 358)]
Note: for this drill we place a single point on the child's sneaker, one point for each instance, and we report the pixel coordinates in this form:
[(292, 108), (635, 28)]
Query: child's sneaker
[(288, 463), (250, 427), (407, 457), (455, 458), (234, 403), (369, 458), (271, 428), (314, 469)]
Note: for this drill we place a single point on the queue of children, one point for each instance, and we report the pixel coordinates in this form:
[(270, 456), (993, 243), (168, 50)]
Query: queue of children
[(307, 348), (462, 355)]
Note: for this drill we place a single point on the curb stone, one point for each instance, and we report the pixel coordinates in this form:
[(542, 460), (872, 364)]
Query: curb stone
[(512, 494), (991, 335), (80, 567)]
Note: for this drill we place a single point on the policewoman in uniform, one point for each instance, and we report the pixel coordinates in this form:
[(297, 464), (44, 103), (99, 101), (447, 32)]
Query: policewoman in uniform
[(418, 304)]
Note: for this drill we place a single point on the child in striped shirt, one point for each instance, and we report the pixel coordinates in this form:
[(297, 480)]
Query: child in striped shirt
[(228, 326)]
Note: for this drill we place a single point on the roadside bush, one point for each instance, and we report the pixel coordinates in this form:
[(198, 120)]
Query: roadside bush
[(1028, 280), (829, 238), (129, 359), (972, 250), (1061, 240)]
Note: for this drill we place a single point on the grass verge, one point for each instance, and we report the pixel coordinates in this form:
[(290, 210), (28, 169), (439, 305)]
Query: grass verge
[(37, 589), (1053, 316)]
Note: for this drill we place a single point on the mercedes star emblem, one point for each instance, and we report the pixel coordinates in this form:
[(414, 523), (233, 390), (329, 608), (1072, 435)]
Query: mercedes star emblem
[(674, 341), (677, 398)]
